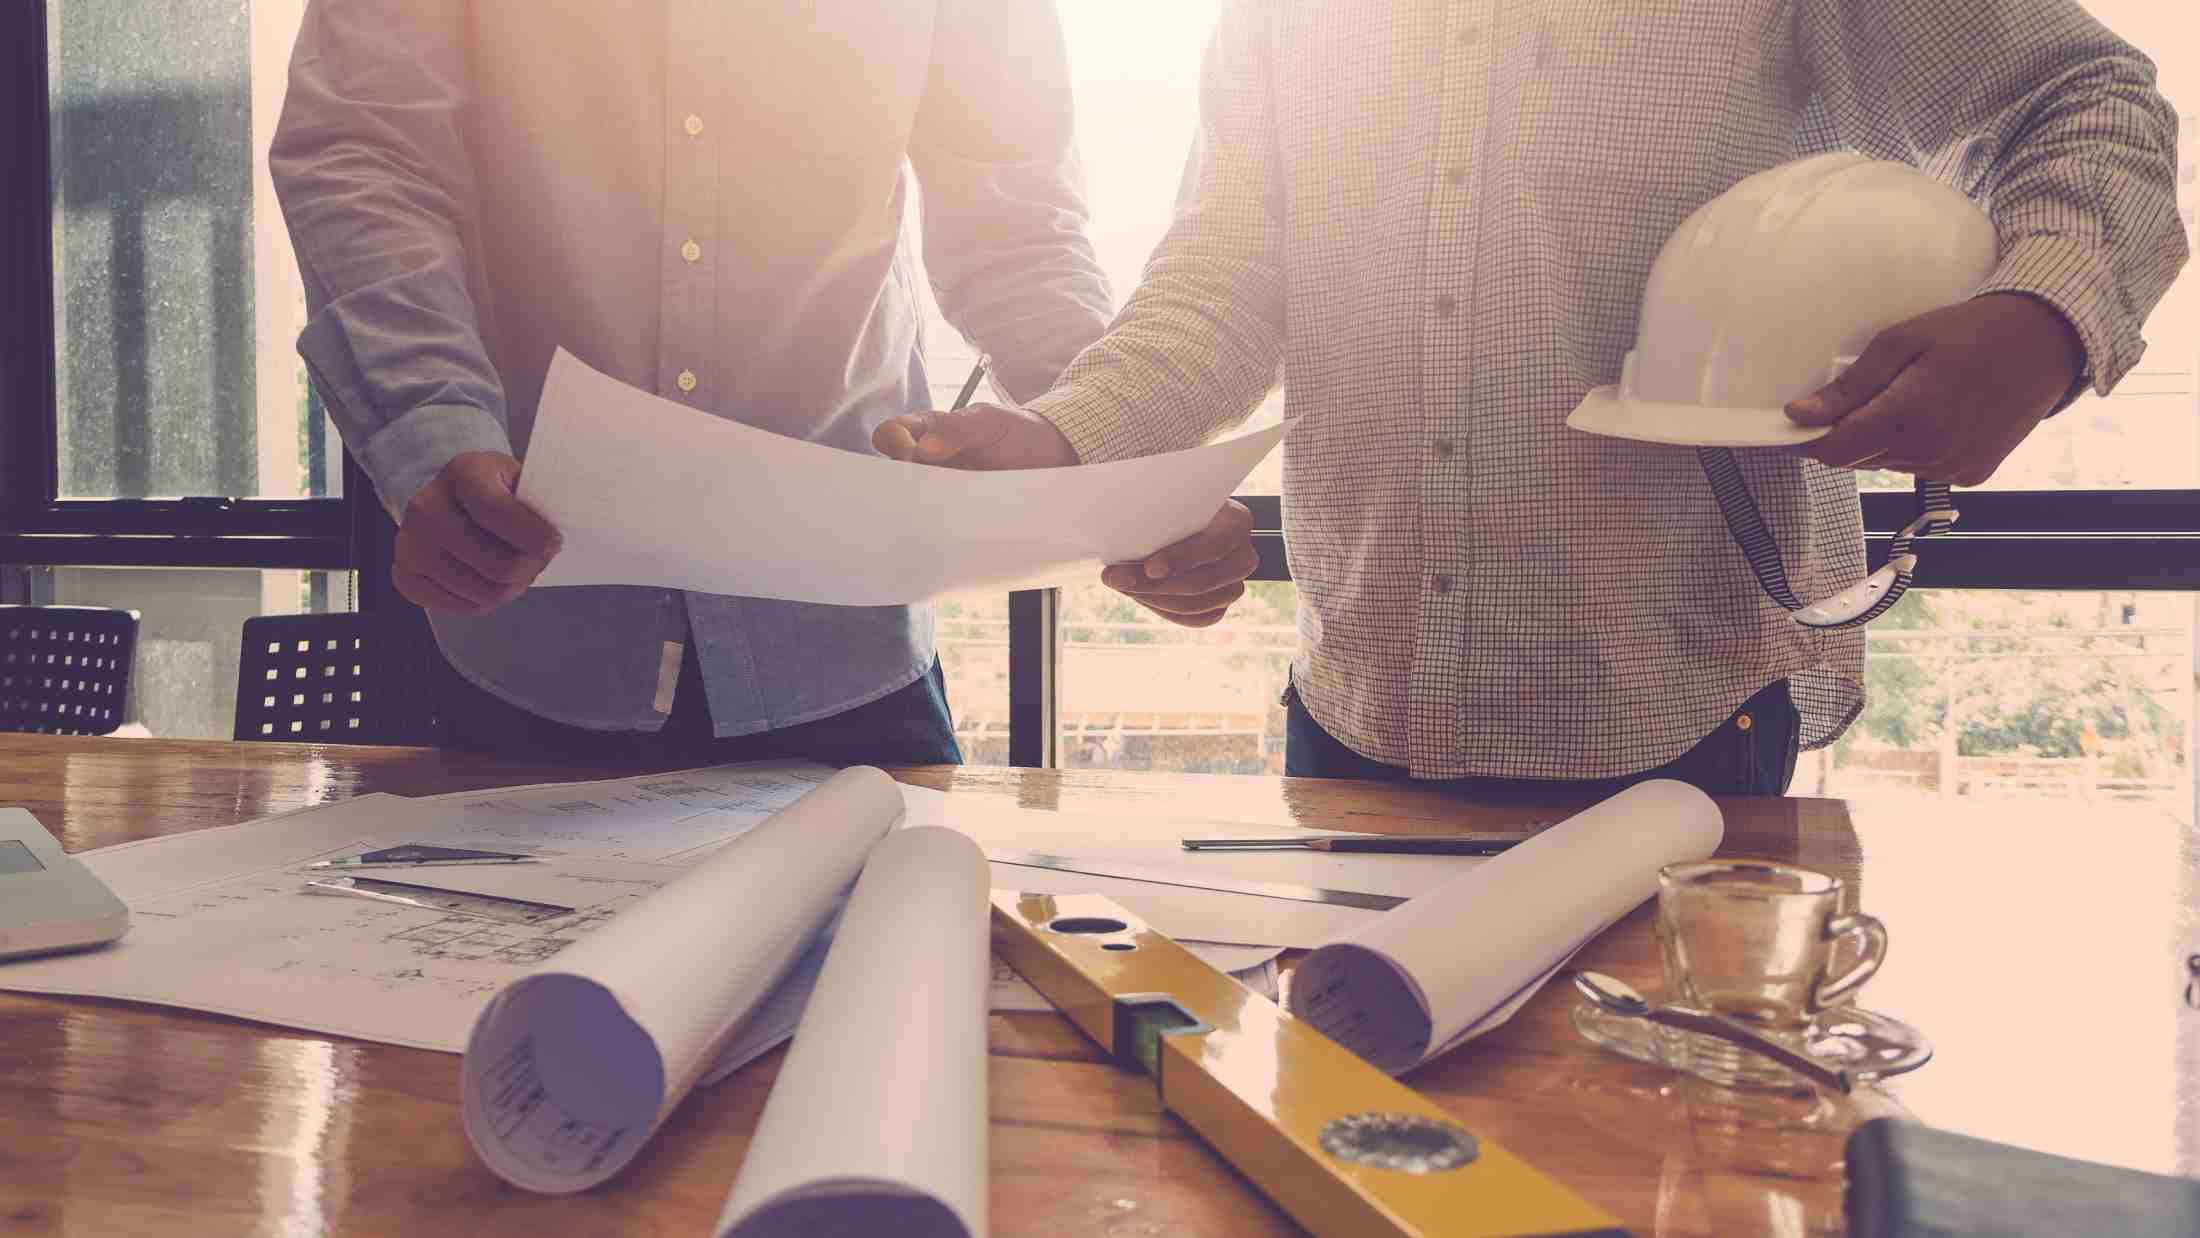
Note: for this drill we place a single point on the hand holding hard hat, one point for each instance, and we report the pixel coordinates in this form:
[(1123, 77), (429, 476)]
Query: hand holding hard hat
[(1949, 394), (1829, 302), (1830, 286)]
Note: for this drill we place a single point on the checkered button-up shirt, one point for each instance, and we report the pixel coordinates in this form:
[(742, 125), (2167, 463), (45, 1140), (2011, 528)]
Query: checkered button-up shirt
[(1437, 217)]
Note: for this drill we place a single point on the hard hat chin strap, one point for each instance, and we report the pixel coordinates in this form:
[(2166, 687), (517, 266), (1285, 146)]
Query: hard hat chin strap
[(1854, 606)]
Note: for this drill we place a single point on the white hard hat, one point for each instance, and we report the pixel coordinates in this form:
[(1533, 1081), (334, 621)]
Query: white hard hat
[(1769, 291)]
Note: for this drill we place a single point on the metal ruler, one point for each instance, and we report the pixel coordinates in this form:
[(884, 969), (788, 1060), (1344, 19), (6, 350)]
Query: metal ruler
[(435, 898), (1178, 877), (1344, 1148)]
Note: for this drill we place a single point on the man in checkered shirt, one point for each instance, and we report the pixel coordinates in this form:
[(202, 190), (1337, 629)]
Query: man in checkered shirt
[(1437, 217)]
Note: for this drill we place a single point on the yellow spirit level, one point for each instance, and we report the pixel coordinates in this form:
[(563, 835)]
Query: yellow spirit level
[(1341, 1146)]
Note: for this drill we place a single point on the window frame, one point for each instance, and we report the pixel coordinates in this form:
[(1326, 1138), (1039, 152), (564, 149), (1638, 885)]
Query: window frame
[(37, 526)]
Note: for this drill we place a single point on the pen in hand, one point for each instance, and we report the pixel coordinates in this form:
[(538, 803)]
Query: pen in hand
[(970, 385)]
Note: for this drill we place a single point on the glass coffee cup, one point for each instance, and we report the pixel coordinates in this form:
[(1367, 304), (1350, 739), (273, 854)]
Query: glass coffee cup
[(1754, 941)]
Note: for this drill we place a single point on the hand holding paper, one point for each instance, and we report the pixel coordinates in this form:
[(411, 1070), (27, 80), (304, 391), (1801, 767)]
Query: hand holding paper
[(649, 492), (982, 437), (1191, 582), (466, 545)]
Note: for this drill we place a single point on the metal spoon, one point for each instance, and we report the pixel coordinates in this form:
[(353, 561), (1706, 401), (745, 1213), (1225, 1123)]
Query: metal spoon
[(1617, 997)]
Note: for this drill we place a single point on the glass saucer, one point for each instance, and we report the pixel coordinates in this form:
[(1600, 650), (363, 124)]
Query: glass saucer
[(1869, 1046)]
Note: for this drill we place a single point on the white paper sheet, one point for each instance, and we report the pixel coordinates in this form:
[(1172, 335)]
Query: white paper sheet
[(245, 939), (645, 491), (571, 1068), (675, 817), (221, 921), (224, 927), (871, 1130), (1156, 844), (1460, 960)]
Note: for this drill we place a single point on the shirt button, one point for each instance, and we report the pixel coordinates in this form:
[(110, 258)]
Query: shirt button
[(686, 381), (1445, 306), (1440, 582), (693, 124), (1442, 448), (692, 252), (1466, 35)]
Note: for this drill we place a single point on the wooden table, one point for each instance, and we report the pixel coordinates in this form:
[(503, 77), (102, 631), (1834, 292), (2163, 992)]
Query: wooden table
[(2043, 953)]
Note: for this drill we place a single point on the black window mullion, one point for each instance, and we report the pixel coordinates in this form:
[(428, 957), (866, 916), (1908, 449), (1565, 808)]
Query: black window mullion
[(2074, 563), (1034, 681), (2006, 539), (29, 465), (2054, 513), (2072, 540), (332, 554)]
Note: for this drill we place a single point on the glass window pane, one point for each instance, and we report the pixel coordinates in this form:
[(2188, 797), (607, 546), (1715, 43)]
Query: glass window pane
[(973, 642), (176, 298), (190, 629), (1140, 693), (1988, 694), (2048, 698), (1134, 71)]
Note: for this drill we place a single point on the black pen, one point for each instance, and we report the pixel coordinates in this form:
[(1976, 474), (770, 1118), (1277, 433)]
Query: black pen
[(970, 385), (1487, 843)]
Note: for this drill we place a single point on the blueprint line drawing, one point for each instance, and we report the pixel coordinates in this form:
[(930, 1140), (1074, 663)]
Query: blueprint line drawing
[(258, 946)]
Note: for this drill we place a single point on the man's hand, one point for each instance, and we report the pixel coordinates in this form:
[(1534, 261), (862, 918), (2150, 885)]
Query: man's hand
[(1947, 395), (982, 436), (467, 545), (1193, 583)]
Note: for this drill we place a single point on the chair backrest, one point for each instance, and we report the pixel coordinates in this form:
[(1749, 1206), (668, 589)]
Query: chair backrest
[(65, 670), (347, 678)]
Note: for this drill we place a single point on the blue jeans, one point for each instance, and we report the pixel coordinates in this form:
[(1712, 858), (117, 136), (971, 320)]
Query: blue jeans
[(909, 726), (1752, 753)]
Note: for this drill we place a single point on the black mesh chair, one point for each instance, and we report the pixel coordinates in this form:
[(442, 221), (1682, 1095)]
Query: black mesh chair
[(65, 670), (346, 678)]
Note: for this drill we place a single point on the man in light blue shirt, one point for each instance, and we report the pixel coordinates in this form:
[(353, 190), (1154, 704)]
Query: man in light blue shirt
[(705, 203)]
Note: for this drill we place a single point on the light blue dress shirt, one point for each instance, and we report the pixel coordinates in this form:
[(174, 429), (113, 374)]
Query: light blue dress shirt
[(704, 200)]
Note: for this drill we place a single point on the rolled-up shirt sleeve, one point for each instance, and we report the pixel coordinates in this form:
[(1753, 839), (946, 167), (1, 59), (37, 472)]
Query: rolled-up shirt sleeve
[(370, 164), (1198, 344), (2047, 115)]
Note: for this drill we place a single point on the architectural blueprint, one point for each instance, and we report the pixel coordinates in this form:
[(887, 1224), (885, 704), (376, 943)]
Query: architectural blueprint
[(668, 817), (222, 920)]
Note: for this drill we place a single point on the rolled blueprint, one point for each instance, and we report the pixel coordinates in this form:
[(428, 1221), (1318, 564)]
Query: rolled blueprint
[(877, 1123), (570, 1068), (1461, 959)]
